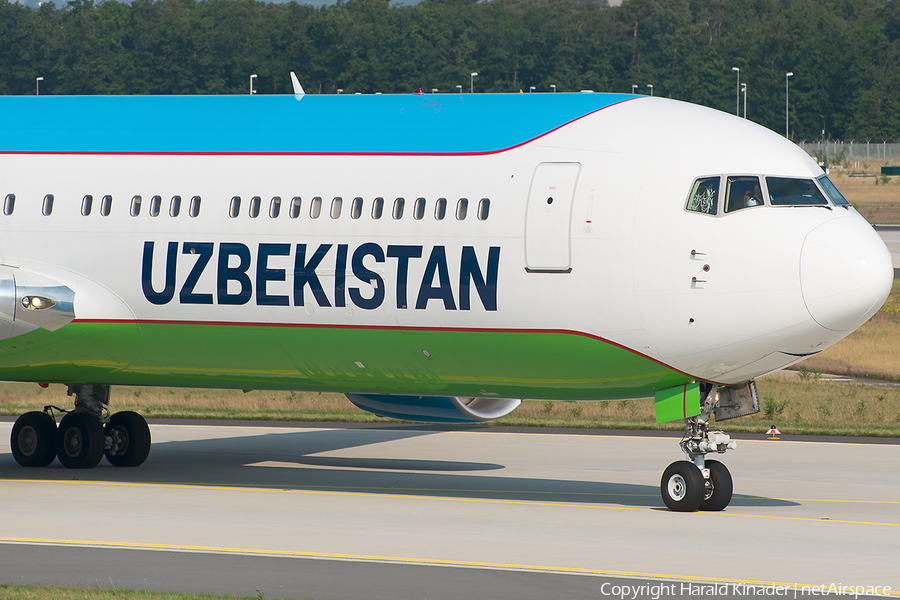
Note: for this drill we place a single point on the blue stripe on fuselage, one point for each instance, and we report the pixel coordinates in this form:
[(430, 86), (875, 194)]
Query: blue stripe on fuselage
[(364, 124)]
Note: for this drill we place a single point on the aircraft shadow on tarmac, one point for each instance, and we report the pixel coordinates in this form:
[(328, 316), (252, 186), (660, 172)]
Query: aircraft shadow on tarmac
[(286, 460)]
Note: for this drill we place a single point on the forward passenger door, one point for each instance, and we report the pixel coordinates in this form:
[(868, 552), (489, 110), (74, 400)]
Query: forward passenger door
[(548, 218)]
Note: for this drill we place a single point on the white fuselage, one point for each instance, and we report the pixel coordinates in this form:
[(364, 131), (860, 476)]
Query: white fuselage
[(724, 297)]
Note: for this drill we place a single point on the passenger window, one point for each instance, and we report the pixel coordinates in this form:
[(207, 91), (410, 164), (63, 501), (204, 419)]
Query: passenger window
[(742, 192), (399, 203), (419, 209), (336, 205), (440, 209), (484, 208), (155, 205), (315, 207), (837, 198), (194, 210), (135, 206), (275, 207), (234, 209), (105, 205), (462, 208), (47, 208), (356, 208), (86, 204), (295, 207), (175, 206), (255, 201), (9, 205), (704, 196), (794, 192), (377, 208)]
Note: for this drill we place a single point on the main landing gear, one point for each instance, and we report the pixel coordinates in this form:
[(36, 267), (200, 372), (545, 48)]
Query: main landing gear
[(697, 483), (84, 435)]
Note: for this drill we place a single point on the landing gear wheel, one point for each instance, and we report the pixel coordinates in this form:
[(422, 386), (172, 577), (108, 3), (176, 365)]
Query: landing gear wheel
[(80, 441), (682, 486), (719, 487), (33, 439), (130, 439)]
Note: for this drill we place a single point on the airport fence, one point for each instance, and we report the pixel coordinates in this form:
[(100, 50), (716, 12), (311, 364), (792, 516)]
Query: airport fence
[(839, 151)]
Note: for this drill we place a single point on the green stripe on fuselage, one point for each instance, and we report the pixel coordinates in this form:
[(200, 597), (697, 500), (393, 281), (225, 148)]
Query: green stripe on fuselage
[(513, 364)]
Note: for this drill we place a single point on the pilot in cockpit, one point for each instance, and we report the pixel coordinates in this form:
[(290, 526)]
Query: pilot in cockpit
[(753, 196)]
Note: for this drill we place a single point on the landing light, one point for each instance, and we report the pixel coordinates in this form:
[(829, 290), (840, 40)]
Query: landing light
[(37, 302)]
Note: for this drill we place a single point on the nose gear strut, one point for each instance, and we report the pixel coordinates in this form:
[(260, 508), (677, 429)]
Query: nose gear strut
[(699, 483)]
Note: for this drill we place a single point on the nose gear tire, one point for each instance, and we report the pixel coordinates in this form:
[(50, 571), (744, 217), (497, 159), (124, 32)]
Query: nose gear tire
[(720, 487), (682, 487)]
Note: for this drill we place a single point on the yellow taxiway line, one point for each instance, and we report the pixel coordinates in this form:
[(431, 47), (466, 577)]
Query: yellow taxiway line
[(410, 561)]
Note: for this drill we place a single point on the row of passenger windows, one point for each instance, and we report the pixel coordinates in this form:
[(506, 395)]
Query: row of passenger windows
[(357, 208), (296, 206), (87, 205), (744, 191)]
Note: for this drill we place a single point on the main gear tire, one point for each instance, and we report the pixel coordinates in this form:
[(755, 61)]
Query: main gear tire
[(80, 441), (33, 439), (130, 437)]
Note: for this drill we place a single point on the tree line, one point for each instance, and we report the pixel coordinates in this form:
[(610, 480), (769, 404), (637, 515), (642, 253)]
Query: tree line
[(844, 54)]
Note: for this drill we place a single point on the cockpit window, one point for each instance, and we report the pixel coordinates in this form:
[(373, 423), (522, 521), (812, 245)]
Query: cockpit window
[(742, 192), (837, 198), (794, 192), (704, 196)]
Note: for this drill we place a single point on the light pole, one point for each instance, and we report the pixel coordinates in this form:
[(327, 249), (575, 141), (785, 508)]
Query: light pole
[(744, 90), (786, 121), (472, 82), (531, 89), (553, 87), (340, 90), (650, 85), (434, 90), (633, 87), (459, 89), (37, 85), (252, 77), (737, 92)]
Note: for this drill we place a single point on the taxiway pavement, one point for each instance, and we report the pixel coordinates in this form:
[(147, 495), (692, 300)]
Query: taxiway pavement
[(321, 511)]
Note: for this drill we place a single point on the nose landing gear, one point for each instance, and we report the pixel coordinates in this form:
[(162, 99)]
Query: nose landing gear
[(697, 483), (84, 435)]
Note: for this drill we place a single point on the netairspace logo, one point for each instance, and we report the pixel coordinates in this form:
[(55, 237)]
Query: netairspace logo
[(656, 591)]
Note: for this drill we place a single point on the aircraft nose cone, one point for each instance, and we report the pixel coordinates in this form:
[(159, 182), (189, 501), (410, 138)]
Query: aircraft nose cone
[(845, 273)]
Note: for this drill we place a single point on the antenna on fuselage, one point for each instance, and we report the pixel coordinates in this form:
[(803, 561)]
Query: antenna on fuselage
[(298, 89)]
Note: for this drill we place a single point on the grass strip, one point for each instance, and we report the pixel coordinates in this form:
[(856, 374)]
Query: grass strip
[(804, 404)]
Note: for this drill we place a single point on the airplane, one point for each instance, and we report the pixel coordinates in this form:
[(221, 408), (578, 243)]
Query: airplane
[(436, 257)]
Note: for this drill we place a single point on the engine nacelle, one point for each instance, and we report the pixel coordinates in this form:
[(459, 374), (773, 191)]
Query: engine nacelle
[(435, 409)]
